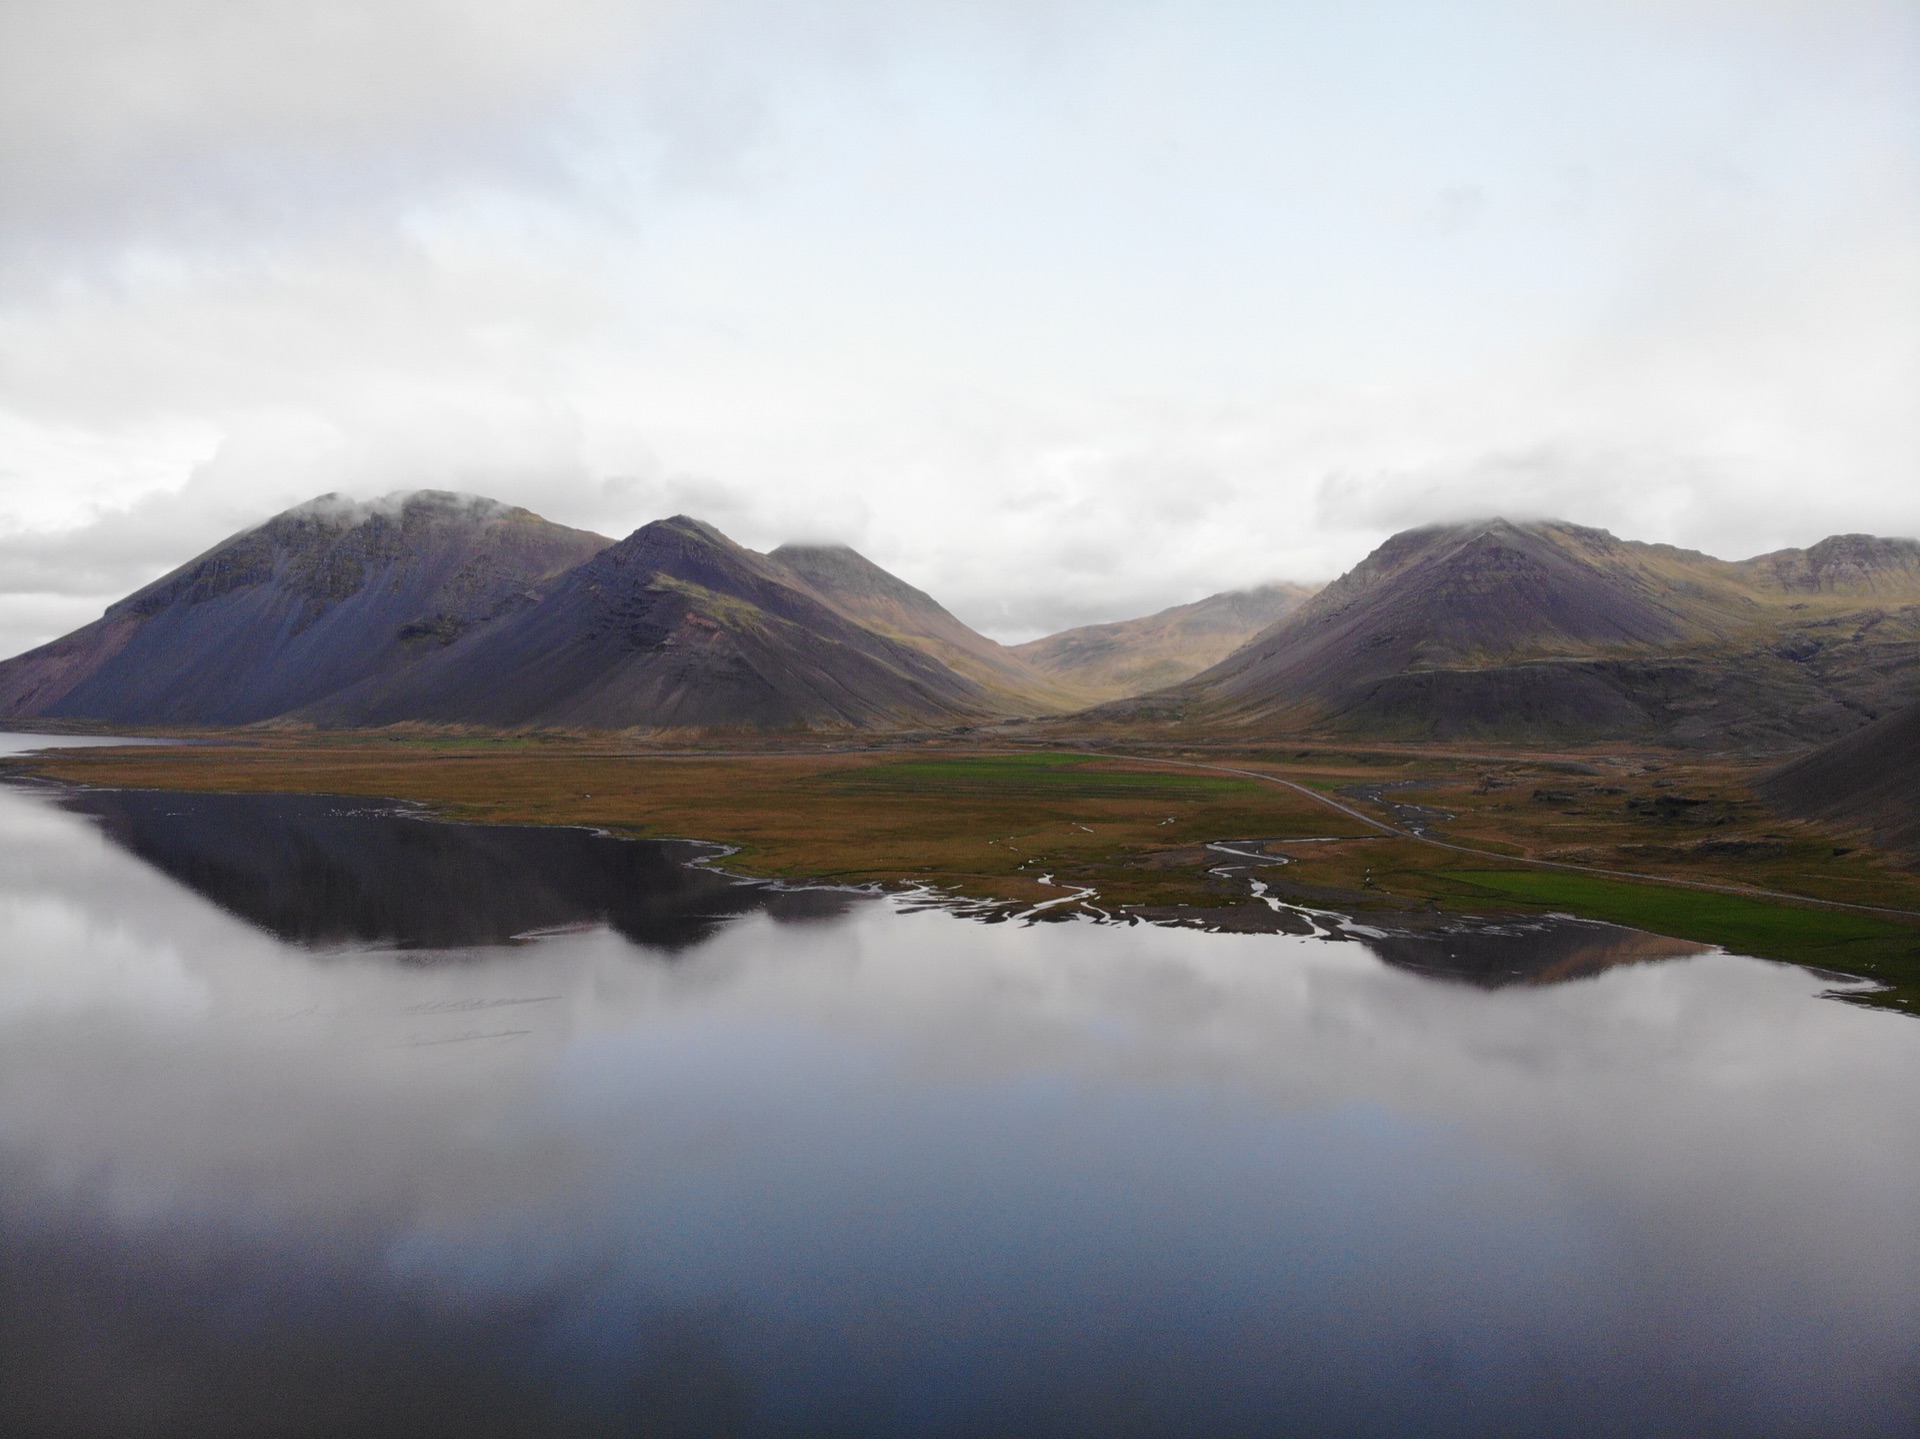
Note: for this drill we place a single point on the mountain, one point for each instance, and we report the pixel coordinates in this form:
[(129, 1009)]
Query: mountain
[(889, 606), (453, 609), (676, 625), (330, 594), (1552, 630), (1861, 566), (1868, 781), (1130, 657)]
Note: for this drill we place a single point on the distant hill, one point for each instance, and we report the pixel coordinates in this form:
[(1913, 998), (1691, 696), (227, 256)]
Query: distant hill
[(1868, 782), (676, 625), (889, 606), (330, 594), (1551, 630), (1131, 657)]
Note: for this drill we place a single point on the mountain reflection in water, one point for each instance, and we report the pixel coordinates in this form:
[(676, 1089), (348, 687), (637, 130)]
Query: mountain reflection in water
[(326, 871), (894, 1172), (1495, 953)]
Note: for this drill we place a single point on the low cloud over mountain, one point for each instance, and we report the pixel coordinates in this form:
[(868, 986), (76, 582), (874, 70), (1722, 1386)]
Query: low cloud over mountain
[(449, 609)]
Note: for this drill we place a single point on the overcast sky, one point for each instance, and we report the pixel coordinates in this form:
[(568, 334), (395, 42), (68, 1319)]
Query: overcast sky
[(1063, 310)]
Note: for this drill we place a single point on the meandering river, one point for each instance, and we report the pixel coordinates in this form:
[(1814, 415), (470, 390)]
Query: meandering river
[(318, 1118)]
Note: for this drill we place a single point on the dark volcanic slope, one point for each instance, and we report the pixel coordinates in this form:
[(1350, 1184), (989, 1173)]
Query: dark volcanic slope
[(888, 605), (1439, 596), (1130, 657), (675, 625), (1439, 599), (1551, 630), (1868, 781), (330, 594)]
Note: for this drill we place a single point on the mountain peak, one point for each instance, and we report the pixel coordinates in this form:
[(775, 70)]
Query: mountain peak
[(1445, 599), (675, 625), (344, 511), (886, 604), (1548, 627), (689, 525), (845, 571), (323, 596)]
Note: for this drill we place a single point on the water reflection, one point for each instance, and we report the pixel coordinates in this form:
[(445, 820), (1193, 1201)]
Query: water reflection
[(17, 742), (1500, 952), (900, 1173), (320, 870)]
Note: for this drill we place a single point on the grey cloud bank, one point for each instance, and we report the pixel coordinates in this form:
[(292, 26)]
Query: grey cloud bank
[(1062, 313)]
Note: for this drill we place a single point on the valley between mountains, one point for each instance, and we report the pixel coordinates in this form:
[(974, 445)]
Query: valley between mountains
[(1490, 718)]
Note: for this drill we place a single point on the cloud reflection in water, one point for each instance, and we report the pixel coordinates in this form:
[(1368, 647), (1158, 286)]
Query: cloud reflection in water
[(899, 1172)]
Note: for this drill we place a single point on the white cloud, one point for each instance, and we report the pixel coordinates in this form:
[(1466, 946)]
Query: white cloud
[(1064, 312), (120, 115)]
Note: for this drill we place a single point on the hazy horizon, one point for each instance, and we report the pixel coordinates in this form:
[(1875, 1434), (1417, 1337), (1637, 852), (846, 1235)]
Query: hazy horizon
[(1063, 313)]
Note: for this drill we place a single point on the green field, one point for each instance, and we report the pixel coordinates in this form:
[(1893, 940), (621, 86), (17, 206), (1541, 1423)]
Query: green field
[(1845, 940), (1032, 776)]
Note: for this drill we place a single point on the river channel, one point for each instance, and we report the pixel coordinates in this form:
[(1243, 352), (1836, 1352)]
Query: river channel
[(318, 1117)]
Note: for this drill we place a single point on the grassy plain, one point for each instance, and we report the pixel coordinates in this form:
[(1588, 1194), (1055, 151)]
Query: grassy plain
[(1027, 823)]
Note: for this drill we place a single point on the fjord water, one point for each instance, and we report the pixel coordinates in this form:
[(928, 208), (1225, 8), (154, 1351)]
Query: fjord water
[(319, 1119)]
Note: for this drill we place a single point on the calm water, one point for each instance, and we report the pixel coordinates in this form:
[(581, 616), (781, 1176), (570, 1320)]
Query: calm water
[(315, 1119)]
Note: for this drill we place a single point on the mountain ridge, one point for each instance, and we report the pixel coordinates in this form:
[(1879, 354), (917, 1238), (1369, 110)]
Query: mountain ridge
[(1130, 657), (889, 606), (436, 607), (323, 595), (1552, 630), (676, 625)]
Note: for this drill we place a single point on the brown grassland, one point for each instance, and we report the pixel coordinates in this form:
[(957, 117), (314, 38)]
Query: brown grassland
[(1653, 839)]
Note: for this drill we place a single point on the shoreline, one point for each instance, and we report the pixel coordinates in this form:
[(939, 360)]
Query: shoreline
[(1031, 829)]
